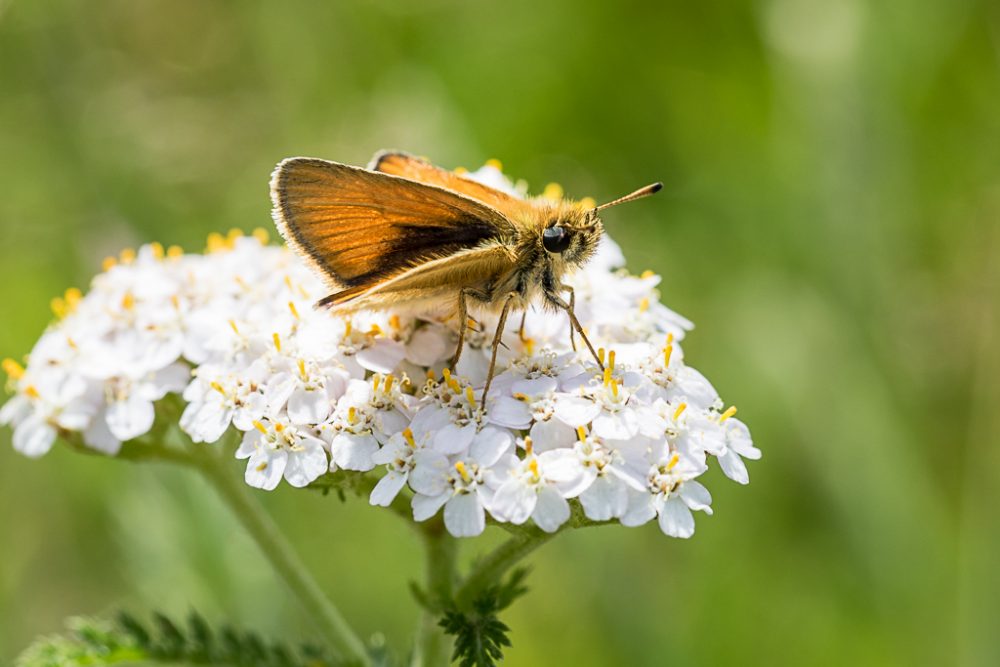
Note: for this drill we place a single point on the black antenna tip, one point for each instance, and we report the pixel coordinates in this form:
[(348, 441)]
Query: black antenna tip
[(655, 187)]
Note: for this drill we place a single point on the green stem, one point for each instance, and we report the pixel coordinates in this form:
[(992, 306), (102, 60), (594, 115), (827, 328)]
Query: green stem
[(489, 569), (283, 559), (432, 647)]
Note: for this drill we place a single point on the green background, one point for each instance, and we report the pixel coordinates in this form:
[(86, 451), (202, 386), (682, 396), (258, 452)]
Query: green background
[(829, 221)]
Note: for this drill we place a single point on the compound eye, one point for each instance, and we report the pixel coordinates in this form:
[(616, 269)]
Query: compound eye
[(555, 239)]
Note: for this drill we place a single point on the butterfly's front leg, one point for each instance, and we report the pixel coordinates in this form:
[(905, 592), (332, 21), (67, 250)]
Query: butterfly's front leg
[(575, 325), (463, 319)]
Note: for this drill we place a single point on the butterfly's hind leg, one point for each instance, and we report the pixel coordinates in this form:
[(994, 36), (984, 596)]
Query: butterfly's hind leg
[(463, 320), (497, 342), (575, 325)]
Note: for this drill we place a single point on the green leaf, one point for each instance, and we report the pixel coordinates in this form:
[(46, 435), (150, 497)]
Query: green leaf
[(480, 635)]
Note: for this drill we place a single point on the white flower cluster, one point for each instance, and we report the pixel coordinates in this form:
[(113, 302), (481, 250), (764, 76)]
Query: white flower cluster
[(234, 332)]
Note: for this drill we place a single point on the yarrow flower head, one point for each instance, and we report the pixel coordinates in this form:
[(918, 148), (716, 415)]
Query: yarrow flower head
[(228, 340)]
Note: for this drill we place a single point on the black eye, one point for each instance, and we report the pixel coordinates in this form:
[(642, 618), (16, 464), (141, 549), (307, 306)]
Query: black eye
[(555, 239)]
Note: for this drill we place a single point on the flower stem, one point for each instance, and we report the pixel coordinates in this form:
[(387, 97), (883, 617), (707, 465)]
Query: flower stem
[(283, 559), (490, 568), (432, 648)]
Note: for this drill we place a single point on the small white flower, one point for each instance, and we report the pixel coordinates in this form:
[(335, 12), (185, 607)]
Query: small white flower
[(671, 494), (398, 457), (276, 449), (532, 489)]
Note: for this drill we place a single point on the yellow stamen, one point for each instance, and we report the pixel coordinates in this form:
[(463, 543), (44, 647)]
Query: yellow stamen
[(302, 368), (607, 375), (533, 467), (460, 467), (408, 436), (295, 312), (376, 379), (446, 374), (218, 387), (242, 283), (495, 163), (588, 203), (644, 304), (375, 330), (389, 379), (126, 256), (232, 325), (521, 397), (680, 410), (277, 341), (470, 395), (262, 466), (352, 415), (260, 427), (156, 248), (348, 327), (14, 370), (529, 446), (668, 350), (611, 359), (261, 235), (394, 322), (430, 374), (279, 427), (58, 307), (529, 345), (581, 434), (31, 392), (553, 191), (730, 411), (175, 301), (71, 342), (600, 355), (215, 242), (175, 251), (614, 388), (128, 301), (461, 170), (108, 263), (73, 296), (233, 234), (672, 463), (646, 274)]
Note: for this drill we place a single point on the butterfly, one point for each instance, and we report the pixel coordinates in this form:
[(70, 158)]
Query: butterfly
[(405, 235)]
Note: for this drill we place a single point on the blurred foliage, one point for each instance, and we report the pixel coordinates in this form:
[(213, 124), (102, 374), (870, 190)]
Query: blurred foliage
[(830, 221)]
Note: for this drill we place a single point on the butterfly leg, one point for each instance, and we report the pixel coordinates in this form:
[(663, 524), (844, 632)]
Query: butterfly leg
[(574, 322), (520, 329), (571, 309), (496, 345), (463, 322)]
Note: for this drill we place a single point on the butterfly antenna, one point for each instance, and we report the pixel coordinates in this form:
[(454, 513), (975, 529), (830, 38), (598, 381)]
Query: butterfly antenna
[(650, 189)]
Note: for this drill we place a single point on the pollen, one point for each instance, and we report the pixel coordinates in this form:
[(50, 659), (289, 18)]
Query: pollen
[(108, 263), (588, 203), (600, 355), (463, 471), (611, 359), (730, 411), (376, 379), (279, 427), (295, 312), (58, 307), (260, 427), (529, 445), (672, 463), (521, 397), (408, 436), (262, 466), (73, 296), (175, 252), (389, 379), (614, 388), (679, 411), (232, 325), (261, 235), (126, 256), (533, 467), (581, 434), (470, 395), (128, 301), (375, 330), (553, 192), (157, 249), (31, 392), (14, 370), (461, 171), (394, 322), (277, 341), (233, 234), (644, 304), (668, 350), (607, 376), (648, 273), (348, 328), (71, 342), (529, 345), (352, 415), (218, 387), (495, 163), (215, 242), (302, 368)]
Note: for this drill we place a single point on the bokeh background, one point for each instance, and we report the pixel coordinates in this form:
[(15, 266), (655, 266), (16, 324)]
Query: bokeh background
[(829, 221)]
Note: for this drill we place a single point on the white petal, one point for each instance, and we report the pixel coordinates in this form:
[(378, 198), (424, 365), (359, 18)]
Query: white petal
[(248, 445), (454, 439), (307, 465), (605, 499), (308, 406), (621, 425), (563, 468), (640, 509), (490, 444), (382, 356), (265, 468), (430, 473), (15, 410), (576, 411), (427, 346), (551, 434), (99, 437), (676, 519), (277, 392), (130, 418), (205, 422), (34, 437), (353, 452), (510, 412), (387, 489), (551, 510), (535, 386), (734, 468), (696, 496), (514, 501), (424, 507), (464, 515)]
